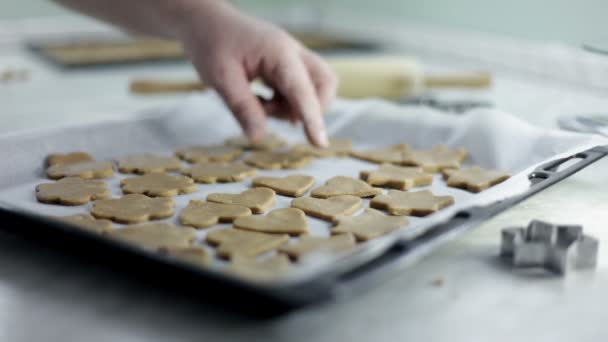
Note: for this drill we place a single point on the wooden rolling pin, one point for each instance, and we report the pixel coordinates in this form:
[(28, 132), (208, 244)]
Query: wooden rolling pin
[(385, 77)]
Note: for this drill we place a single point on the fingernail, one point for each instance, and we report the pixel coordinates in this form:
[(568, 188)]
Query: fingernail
[(322, 139)]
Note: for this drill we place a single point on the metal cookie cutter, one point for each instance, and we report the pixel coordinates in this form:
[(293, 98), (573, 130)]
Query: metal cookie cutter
[(555, 247)]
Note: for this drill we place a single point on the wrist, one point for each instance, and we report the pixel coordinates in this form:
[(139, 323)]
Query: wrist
[(185, 14)]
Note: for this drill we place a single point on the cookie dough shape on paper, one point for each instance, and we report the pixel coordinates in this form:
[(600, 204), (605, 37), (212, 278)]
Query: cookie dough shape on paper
[(269, 142), (158, 185), (393, 154), (294, 185), (87, 222), (342, 185), (369, 225), (269, 160), (336, 148), (68, 158), (86, 170), (72, 191), (248, 244), (474, 179), (416, 203), (260, 270), (156, 236), (308, 245), (193, 255), (290, 221), (212, 153), (201, 214), (438, 158), (220, 172), (397, 177), (257, 199), (328, 209), (148, 163), (133, 208)]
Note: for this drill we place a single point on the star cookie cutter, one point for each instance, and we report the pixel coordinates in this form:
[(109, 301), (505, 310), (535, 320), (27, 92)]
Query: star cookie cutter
[(557, 248)]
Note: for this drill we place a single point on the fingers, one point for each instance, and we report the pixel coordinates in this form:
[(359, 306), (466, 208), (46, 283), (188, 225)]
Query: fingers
[(230, 81), (323, 77), (291, 79)]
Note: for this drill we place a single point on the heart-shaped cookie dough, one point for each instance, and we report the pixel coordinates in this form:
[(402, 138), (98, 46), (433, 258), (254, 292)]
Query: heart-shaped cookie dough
[(86, 170), (68, 158), (158, 185), (219, 172), (212, 153), (328, 209), (155, 236), (269, 142), (236, 242), (270, 160), (148, 163), (369, 225), (308, 245), (201, 214), (279, 221), (416, 203), (133, 208), (336, 148), (193, 255), (257, 199), (294, 185), (268, 269), (72, 191), (342, 185), (394, 154)]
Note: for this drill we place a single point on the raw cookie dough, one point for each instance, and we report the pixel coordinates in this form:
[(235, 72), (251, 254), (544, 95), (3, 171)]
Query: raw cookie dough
[(290, 221), (418, 203), (87, 170), (269, 142), (394, 154), (231, 242), (257, 199), (72, 191), (148, 163), (201, 214), (397, 177), (342, 185), (213, 153), (133, 208), (260, 270), (68, 158), (474, 179), (219, 172), (87, 222), (158, 185), (156, 236), (336, 148), (269, 160), (369, 225), (436, 159), (307, 245), (294, 185), (328, 209), (194, 255)]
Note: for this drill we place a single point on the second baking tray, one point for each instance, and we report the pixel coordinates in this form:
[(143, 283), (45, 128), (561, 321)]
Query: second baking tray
[(535, 157)]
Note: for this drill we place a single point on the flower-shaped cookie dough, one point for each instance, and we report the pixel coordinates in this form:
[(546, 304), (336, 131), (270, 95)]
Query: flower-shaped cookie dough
[(158, 185), (133, 208), (72, 191)]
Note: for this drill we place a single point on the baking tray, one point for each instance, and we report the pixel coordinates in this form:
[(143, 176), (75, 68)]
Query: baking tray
[(535, 157)]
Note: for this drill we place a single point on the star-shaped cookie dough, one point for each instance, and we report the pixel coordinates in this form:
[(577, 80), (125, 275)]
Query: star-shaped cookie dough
[(87, 222), (328, 209), (308, 245), (417, 203), (133, 208), (474, 179), (231, 242), (342, 185), (336, 148), (393, 154), (438, 158), (293, 185), (158, 185), (219, 172), (148, 163), (397, 177), (68, 158), (257, 199), (269, 160), (86, 170), (260, 270), (369, 225), (155, 236), (72, 191), (213, 153), (269, 142), (201, 214), (290, 221)]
